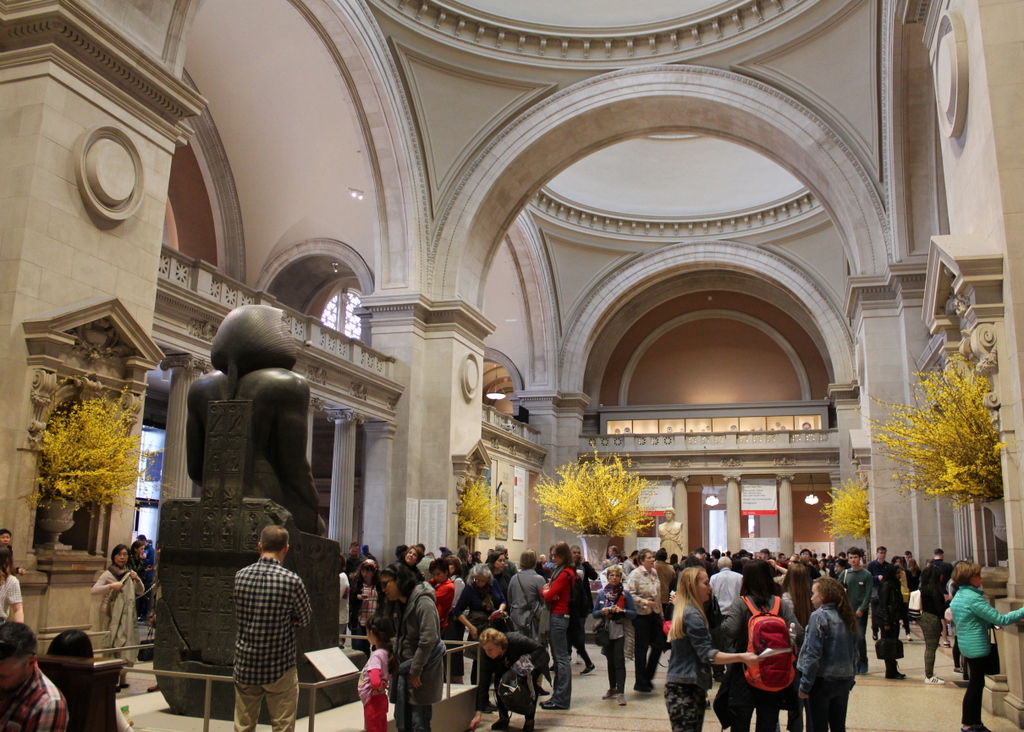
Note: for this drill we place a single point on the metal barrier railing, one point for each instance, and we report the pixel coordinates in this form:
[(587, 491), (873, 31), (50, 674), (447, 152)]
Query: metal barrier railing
[(313, 687)]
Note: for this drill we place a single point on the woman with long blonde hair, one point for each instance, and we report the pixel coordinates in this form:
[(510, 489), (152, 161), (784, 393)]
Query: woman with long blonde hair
[(689, 667)]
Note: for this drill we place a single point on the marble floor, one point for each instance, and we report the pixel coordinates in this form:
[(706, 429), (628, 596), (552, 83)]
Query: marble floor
[(876, 704)]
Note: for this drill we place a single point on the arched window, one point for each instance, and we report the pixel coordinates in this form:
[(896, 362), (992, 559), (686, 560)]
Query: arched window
[(340, 313), (353, 323), (329, 317)]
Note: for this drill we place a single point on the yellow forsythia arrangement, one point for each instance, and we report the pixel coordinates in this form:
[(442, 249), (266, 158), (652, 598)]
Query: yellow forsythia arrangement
[(595, 496), (945, 445), (847, 514), (478, 510), (88, 454)]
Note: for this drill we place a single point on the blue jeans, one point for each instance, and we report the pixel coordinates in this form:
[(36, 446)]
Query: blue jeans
[(561, 694), (417, 718), (359, 644), (862, 645), (826, 707)]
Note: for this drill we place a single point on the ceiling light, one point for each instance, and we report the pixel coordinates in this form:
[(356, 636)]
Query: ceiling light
[(358, 195), (711, 500), (811, 499), (334, 266), (495, 395)]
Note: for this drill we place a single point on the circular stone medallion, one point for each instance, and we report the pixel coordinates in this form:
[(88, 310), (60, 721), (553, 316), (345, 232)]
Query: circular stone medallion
[(109, 172)]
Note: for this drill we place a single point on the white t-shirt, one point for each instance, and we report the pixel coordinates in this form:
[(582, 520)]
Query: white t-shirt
[(10, 593)]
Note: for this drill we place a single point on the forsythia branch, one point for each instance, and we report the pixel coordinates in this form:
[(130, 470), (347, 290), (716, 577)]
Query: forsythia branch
[(595, 496), (847, 514), (478, 511), (945, 444)]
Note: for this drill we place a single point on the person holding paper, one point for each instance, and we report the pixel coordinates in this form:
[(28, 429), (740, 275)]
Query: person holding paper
[(829, 656), (689, 667)]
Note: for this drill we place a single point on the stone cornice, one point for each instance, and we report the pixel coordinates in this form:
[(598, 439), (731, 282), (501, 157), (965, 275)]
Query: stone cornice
[(31, 32), (430, 314), (639, 44), (903, 283), (800, 206)]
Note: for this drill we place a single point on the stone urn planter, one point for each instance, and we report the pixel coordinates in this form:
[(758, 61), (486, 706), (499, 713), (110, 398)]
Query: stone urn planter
[(55, 517), (595, 548)]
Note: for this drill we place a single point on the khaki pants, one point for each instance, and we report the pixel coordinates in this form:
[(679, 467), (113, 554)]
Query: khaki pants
[(282, 699)]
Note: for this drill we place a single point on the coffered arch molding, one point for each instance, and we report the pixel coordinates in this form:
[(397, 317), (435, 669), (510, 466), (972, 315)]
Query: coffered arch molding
[(539, 300), (632, 103), (590, 322), (625, 317)]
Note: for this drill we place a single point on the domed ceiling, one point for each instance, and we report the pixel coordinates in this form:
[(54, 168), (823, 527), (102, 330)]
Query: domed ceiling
[(605, 14), (674, 176)]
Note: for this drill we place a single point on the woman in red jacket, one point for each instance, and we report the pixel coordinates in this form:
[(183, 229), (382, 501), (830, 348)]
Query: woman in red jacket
[(444, 590), (557, 594)]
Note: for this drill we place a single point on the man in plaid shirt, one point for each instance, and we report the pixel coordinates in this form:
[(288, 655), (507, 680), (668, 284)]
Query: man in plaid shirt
[(29, 702), (270, 602)]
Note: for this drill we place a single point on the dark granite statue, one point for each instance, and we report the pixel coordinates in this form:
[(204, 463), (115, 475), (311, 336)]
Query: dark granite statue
[(247, 449), (254, 353)]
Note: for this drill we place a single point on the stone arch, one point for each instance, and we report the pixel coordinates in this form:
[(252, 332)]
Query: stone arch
[(619, 323), (496, 356), (629, 103), (360, 54), (616, 290), (305, 269), (653, 336)]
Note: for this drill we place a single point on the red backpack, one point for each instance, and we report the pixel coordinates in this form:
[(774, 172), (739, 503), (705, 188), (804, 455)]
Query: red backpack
[(767, 629)]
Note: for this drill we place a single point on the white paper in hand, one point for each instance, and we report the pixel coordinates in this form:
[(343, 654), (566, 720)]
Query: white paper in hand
[(768, 652)]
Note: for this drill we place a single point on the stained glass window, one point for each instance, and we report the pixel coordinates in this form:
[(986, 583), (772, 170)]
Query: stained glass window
[(353, 323)]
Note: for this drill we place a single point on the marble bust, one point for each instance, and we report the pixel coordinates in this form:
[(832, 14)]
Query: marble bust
[(671, 533)]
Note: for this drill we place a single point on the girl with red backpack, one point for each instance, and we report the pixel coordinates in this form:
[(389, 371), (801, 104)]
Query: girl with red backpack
[(758, 620), (689, 667)]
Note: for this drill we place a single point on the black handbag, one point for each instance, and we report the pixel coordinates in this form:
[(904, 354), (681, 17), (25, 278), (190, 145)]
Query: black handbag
[(602, 636), (889, 649), (517, 693)]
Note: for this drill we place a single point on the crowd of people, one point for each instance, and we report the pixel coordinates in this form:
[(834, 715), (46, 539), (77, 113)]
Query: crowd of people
[(785, 635)]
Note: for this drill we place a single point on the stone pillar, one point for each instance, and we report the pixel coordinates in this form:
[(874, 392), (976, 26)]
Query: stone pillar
[(733, 517), (185, 369), (785, 513), (682, 508), (316, 404), (343, 475), (383, 504), (559, 418)]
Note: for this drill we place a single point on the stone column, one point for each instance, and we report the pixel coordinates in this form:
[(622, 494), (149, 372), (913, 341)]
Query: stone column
[(785, 513), (682, 507), (734, 520), (185, 369), (343, 475), (383, 502), (316, 404)]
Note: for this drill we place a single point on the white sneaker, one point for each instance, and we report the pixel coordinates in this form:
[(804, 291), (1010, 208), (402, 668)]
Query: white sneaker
[(934, 680)]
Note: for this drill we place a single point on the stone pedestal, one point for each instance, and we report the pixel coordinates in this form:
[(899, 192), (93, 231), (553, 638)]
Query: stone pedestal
[(64, 600)]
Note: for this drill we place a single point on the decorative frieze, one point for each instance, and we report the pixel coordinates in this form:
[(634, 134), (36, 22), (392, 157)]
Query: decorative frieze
[(201, 329), (316, 375), (358, 390)]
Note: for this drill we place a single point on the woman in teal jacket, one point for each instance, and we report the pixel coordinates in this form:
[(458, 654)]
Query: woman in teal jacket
[(974, 617)]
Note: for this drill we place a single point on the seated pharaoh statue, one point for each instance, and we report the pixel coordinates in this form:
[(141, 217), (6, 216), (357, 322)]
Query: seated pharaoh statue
[(254, 353)]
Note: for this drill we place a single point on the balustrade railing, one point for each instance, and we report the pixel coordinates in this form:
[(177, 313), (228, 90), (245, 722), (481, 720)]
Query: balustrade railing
[(504, 422), (206, 281)]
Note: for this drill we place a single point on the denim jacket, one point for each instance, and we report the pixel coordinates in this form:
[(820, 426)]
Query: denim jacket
[(692, 654), (829, 649)]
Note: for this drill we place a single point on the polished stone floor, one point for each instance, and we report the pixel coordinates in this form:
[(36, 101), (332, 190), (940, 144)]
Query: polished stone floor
[(876, 704)]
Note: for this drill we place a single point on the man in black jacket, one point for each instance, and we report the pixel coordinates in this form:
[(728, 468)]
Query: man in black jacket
[(501, 652)]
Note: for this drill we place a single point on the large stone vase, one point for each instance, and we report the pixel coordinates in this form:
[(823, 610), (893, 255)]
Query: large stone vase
[(55, 517), (595, 548)]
